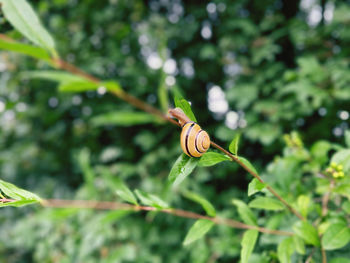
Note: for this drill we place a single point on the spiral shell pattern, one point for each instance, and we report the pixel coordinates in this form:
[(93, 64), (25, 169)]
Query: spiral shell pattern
[(194, 141)]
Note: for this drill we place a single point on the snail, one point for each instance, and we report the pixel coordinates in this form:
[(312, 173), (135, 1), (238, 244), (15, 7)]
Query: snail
[(194, 141)]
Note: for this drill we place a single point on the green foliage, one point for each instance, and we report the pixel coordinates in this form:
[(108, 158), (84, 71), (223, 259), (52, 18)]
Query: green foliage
[(336, 236), (234, 144), (307, 232), (183, 167), (248, 244), (185, 106), (247, 164), (35, 52), (150, 199), (198, 230), (119, 118), (21, 15), (255, 186), (18, 196), (285, 250), (212, 158), (117, 185), (245, 213), (207, 206), (266, 203), (256, 69)]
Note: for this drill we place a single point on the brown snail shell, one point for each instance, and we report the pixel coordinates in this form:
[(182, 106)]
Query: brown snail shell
[(194, 141)]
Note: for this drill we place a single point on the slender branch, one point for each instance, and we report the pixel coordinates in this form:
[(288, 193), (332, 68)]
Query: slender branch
[(106, 205), (61, 64), (6, 200), (324, 256), (152, 110), (236, 159), (309, 258), (325, 199)]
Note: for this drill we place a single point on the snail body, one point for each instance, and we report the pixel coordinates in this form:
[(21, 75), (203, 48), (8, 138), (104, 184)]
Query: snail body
[(194, 141)]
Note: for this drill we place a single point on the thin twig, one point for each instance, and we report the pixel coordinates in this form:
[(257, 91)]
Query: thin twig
[(254, 174), (325, 199), (150, 109), (106, 205), (6, 200), (59, 63), (324, 256), (309, 258)]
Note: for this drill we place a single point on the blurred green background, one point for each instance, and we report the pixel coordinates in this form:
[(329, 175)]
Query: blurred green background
[(263, 68)]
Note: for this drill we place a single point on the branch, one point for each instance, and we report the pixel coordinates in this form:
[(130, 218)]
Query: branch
[(6, 200), (325, 199), (105, 205), (150, 109), (61, 64), (272, 191), (324, 256)]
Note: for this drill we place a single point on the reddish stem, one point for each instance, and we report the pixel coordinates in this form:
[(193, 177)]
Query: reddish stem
[(105, 205)]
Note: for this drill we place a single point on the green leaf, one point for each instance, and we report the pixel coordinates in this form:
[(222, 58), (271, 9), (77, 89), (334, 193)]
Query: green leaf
[(198, 230), (247, 164), (83, 158), (57, 76), (340, 260), (285, 250), (347, 138), (299, 245), (346, 207), (21, 196), (248, 244), (123, 118), (307, 232), (35, 52), (342, 157), (185, 106), (117, 185), (77, 86), (207, 206), (266, 203), (234, 144), (163, 96), (18, 203), (336, 236), (113, 216), (150, 199), (212, 158), (183, 166), (21, 15), (245, 213), (255, 186), (303, 204), (111, 85)]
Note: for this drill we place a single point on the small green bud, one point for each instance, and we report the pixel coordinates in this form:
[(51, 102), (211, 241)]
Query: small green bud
[(339, 167), (336, 174), (341, 174), (333, 165)]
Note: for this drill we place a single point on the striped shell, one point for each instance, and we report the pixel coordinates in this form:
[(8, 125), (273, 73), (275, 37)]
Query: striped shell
[(194, 141)]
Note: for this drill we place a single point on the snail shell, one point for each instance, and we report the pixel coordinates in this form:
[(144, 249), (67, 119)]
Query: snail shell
[(194, 141)]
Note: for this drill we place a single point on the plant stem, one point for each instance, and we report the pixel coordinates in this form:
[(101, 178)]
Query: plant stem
[(6, 200), (150, 109), (61, 64), (105, 205), (272, 191), (324, 256), (325, 199)]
